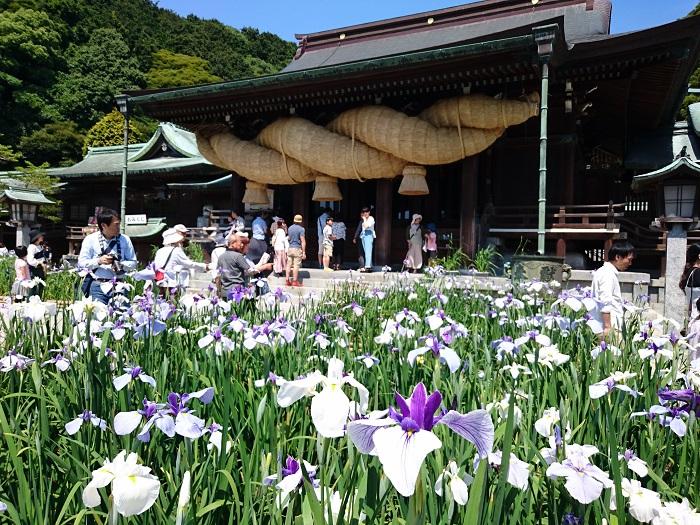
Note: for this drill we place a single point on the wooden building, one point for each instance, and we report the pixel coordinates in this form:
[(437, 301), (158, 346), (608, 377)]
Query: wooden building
[(608, 95)]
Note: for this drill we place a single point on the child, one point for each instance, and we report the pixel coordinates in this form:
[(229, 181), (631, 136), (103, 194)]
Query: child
[(694, 334), (20, 290), (280, 244), (430, 244), (328, 239)]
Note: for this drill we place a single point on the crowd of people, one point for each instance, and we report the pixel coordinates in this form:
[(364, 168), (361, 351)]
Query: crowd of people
[(266, 247), (31, 265)]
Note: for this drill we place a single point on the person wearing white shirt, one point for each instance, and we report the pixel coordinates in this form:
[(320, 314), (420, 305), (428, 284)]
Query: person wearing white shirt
[(221, 242), (236, 222), (367, 236), (606, 286), (280, 244), (172, 260), (107, 254), (320, 224), (37, 259)]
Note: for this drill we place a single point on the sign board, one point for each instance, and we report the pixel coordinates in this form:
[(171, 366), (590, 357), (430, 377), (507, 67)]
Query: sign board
[(132, 220)]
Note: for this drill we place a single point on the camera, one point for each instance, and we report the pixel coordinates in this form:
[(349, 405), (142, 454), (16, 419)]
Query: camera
[(116, 264)]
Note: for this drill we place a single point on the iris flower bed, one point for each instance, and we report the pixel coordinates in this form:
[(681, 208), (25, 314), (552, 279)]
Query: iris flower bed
[(426, 402)]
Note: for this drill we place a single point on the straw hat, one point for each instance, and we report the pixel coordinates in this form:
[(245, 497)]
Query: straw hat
[(298, 218), (172, 236), (35, 235)]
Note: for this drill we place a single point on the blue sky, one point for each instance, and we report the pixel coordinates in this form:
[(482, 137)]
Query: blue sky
[(286, 17)]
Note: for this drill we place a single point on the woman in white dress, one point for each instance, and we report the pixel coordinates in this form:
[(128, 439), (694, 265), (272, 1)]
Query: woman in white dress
[(414, 238)]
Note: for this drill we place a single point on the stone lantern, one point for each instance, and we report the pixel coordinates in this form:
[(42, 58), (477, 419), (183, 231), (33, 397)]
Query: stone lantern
[(676, 188), (24, 204)]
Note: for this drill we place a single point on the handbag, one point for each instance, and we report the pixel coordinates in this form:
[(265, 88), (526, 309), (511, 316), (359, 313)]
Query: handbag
[(160, 273)]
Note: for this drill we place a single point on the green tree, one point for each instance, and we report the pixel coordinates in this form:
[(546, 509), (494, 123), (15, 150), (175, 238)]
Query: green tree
[(8, 157), (177, 70), (269, 47), (694, 80), (109, 131), (97, 71), (29, 45), (58, 144)]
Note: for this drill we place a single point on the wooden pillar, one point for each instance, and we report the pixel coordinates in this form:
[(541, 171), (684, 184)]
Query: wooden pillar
[(561, 247), (300, 201), (237, 189), (383, 218), (608, 244), (468, 198)]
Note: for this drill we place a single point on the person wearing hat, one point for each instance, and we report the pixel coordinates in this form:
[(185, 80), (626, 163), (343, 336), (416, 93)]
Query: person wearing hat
[(296, 252), (220, 244), (107, 255), (414, 238), (38, 257), (172, 260)]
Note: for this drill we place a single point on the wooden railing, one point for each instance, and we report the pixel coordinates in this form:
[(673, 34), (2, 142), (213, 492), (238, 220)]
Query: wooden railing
[(583, 217)]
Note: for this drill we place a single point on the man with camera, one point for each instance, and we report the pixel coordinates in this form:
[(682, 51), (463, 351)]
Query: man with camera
[(107, 255)]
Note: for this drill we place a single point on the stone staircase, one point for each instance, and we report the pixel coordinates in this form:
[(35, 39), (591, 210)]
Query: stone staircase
[(315, 281)]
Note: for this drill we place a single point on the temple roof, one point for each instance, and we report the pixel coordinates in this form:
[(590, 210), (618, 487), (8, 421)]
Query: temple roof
[(583, 19), (681, 166), (170, 149), (32, 196), (657, 150)]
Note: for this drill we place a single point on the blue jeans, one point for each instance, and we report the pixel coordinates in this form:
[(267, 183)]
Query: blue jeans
[(97, 294), (367, 242)]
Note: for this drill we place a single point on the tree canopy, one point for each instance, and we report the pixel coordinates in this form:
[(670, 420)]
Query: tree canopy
[(62, 62), (694, 81), (177, 70)]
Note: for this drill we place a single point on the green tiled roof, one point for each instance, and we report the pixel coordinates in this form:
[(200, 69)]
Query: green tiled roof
[(339, 70), (143, 158), (154, 226), (25, 195), (181, 140), (680, 166)]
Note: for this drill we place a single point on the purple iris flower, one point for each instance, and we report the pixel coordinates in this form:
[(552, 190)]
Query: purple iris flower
[(14, 361), (405, 438), (131, 374), (173, 417), (73, 426), (687, 399), (571, 519)]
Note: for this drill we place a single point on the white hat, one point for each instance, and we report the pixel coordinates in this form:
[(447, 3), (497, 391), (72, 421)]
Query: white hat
[(172, 236), (417, 216), (180, 228), (275, 218)]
